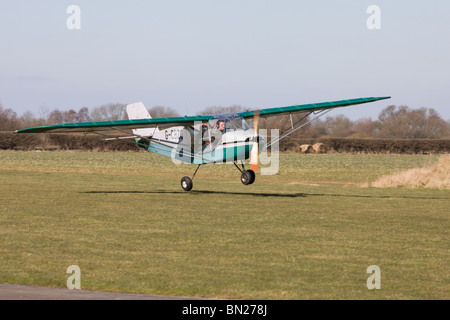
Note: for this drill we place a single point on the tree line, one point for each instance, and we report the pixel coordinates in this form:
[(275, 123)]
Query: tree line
[(393, 122)]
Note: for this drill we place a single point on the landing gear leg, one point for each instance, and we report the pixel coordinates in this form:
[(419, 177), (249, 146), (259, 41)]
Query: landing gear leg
[(186, 182), (247, 176)]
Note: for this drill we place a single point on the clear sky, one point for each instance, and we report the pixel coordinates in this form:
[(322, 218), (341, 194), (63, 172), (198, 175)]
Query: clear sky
[(193, 54)]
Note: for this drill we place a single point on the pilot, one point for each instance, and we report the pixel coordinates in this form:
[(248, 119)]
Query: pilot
[(221, 126)]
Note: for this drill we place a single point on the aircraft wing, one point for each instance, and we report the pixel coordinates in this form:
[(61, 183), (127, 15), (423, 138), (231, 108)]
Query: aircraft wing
[(309, 107), (163, 123), (107, 126)]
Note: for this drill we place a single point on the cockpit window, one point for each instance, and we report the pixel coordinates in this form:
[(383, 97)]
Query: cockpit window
[(231, 122)]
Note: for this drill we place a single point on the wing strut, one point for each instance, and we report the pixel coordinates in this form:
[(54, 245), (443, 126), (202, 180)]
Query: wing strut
[(283, 135)]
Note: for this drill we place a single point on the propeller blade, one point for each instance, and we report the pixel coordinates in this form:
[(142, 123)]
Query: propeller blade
[(255, 152)]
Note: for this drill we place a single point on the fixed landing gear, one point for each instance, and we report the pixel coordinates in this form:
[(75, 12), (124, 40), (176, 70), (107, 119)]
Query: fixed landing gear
[(186, 182), (247, 177)]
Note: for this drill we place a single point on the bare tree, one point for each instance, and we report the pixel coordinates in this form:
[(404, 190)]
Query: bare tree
[(109, 112), (405, 123), (365, 128), (29, 120), (221, 109), (163, 112), (339, 126), (8, 119), (317, 129), (44, 112), (83, 115), (70, 116), (55, 117)]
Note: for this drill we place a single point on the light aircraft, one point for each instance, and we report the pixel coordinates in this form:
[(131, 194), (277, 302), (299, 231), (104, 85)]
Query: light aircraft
[(202, 139)]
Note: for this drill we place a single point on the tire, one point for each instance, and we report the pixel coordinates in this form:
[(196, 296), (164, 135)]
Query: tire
[(248, 177), (253, 176), (186, 183)]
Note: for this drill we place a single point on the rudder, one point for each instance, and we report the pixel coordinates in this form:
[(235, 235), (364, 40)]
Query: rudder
[(139, 111)]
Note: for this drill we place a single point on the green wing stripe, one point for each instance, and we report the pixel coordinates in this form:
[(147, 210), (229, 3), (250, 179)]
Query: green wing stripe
[(311, 107), (181, 121), (123, 124)]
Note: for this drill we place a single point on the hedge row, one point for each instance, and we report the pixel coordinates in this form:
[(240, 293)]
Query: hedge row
[(26, 142), (377, 146)]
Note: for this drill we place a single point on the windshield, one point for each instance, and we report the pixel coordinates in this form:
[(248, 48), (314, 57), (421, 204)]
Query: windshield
[(229, 122)]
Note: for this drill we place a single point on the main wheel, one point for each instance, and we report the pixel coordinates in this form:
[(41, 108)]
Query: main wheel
[(186, 183), (248, 177), (253, 176)]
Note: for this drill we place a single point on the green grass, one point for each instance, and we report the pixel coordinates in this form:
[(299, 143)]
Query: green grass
[(308, 232)]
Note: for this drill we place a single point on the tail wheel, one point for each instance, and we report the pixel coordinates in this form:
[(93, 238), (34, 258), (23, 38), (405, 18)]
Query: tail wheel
[(186, 183), (248, 177)]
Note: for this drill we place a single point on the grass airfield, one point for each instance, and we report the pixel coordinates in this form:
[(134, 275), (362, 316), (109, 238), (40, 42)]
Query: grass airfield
[(308, 232)]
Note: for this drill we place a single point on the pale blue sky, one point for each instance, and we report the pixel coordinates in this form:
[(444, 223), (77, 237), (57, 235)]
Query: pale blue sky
[(193, 54)]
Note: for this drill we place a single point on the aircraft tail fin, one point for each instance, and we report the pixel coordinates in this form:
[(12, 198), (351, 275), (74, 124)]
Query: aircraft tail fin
[(139, 111)]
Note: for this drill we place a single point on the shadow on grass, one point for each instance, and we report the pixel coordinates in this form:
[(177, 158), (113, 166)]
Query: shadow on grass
[(267, 194)]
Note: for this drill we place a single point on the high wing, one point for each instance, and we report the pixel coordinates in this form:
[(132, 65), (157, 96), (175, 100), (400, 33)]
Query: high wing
[(162, 123), (309, 107), (305, 111), (107, 126)]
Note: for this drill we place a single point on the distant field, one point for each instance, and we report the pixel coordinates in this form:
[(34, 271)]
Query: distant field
[(308, 232)]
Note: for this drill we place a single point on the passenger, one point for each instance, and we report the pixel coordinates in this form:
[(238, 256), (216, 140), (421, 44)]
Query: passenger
[(205, 141)]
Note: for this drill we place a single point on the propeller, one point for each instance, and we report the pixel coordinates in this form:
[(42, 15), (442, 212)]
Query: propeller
[(255, 152)]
